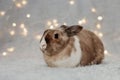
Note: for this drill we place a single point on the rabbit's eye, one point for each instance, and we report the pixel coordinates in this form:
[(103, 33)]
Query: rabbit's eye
[(56, 36)]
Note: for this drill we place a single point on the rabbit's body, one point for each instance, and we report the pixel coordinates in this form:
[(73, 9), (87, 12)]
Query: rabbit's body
[(77, 47), (71, 59)]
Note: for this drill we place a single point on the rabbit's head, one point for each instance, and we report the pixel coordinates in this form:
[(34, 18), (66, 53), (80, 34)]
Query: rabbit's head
[(55, 40)]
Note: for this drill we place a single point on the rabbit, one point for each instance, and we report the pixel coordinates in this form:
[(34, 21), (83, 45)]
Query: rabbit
[(71, 46)]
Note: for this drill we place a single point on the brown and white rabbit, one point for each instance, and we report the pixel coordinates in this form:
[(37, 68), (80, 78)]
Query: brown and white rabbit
[(71, 46)]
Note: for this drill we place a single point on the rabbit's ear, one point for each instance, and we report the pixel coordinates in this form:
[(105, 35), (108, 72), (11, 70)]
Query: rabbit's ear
[(63, 27), (73, 30)]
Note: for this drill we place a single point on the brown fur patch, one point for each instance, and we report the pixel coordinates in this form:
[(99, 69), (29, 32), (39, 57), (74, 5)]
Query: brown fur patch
[(92, 48)]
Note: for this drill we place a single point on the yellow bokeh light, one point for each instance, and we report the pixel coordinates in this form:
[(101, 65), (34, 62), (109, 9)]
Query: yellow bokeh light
[(12, 32), (18, 5), (49, 23), (80, 22), (100, 18), (4, 53), (51, 27), (72, 2), (14, 0), (14, 24), (54, 21), (38, 37), (64, 23), (98, 26), (83, 21), (22, 26), (24, 2), (25, 32), (2, 13), (93, 10), (56, 24), (105, 52), (100, 34), (28, 15), (11, 49)]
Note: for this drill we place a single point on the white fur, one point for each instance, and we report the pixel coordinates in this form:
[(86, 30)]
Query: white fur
[(74, 58), (43, 44)]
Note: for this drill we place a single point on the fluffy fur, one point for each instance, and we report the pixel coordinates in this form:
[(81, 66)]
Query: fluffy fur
[(71, 46)]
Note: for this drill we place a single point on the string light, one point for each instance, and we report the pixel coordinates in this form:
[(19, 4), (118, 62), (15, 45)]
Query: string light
[(2, 13), (56, 24), (64, 23), (38, 37), (93, 10), (14, 24), (100, 34), (105, 52), (22, 26), (25, 32), (24, 2), (28, 15), (11, 49), (49, 23), (100, 18), (52, 24), (19, 5), (83, 21), (98, 26), (72, 2), (80, 22), (51, 27), (4, 53), (14, 0), (12, 32), (54, 21)]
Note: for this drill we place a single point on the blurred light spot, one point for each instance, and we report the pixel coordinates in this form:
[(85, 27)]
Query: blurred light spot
[(24, 2), (100, 34), (100, 18), (14, 0), (64, 23), (83, 21), (12, 32), (18, 5), (14, 24), (25, 32), (38, 37), (4, 53), (2, 13), (80, 22), (51, 27), (22, 26), (98, 26), (72, 2), (56, 24), (49, 23), (28, 15), (11, 49), (93, 10), (105, 52), (54, 21)]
